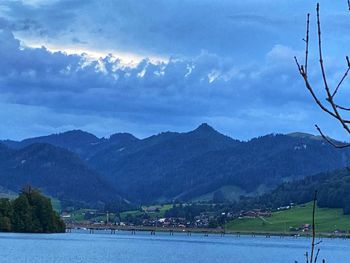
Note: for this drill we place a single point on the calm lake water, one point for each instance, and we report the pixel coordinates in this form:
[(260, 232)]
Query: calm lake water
[(83, 247)]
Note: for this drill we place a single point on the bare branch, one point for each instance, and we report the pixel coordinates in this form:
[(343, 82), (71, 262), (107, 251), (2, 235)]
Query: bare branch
[(307, 41), (303, 72), (326, 138), (313, 228), (342, 107), (318, 251), (343, 78), (319, 242), (318, 102), (323, 71), (330, 98)]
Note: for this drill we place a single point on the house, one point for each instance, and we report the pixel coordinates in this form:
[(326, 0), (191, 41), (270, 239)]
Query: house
[(306, 227)]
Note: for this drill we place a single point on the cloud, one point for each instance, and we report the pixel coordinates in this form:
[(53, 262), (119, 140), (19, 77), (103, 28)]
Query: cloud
[(229, 64), (162, 27), (51, 92)]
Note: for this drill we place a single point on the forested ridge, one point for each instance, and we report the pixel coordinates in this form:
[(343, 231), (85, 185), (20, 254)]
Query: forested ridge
[(82, 170), (333, 192)]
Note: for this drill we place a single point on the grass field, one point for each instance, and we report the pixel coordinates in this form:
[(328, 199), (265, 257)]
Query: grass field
[(159, 214), (162, 210), (327, 220), (80, 215)]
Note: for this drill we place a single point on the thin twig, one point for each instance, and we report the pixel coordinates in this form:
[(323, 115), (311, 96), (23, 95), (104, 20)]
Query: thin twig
[(326, 138), (323, 71), (307, 41), (313, 228), (342, 107), (309, 87), (319, 242), (318, 251), (341, 82)]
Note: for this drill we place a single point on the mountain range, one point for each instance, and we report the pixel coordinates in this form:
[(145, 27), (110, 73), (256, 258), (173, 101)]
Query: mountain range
[(77, 165)]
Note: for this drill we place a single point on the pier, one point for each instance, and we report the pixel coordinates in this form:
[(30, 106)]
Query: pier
[(133, 230)]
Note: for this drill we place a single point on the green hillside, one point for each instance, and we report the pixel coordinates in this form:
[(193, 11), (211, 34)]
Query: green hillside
[(327, 220)]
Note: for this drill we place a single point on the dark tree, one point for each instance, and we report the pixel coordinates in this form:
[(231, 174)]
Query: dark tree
[(31, 212), (5, 215)]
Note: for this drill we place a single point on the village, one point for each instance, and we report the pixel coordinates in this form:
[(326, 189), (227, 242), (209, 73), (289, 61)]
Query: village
[(152, 217), (156, 217)]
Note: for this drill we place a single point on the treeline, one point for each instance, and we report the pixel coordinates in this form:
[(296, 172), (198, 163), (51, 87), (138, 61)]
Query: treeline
[(30, 212), (333, 192)]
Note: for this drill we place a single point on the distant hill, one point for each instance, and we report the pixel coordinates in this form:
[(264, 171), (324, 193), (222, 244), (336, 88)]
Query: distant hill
[(195, 165), (82, 143), (57, 171)]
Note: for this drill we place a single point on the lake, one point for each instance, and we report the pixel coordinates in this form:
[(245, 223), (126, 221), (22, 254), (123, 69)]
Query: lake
[(82, 247)]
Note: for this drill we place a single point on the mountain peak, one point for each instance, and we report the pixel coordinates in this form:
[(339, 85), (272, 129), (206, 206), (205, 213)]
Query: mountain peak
[(123, 137), (205, 127), (78, 133)]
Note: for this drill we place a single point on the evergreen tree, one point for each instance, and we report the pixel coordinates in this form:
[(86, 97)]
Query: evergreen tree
[(5, 215), (30, 212), (22, 215)]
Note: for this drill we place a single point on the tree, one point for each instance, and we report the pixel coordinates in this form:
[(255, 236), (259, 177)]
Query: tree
[(33, 213), (22, 215), (5, 215), (333, 108)]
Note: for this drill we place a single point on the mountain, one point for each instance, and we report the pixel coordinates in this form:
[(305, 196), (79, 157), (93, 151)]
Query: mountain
[(82, 143), (189, 165), (57, 171), (141, 169), (195, 165)]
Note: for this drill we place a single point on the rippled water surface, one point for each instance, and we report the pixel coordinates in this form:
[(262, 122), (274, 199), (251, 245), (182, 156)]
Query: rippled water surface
[(142, 247)]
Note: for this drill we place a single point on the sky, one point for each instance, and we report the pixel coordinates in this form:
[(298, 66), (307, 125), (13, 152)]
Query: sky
[(144, 67)]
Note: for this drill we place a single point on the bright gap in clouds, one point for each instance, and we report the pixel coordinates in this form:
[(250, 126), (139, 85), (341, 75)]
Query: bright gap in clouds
[(128, 59)]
